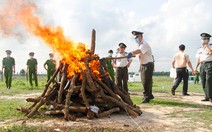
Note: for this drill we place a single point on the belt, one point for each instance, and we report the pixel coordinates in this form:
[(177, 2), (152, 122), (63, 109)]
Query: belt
[(147, 63), (181, 68), (122, 67), (206, 62)]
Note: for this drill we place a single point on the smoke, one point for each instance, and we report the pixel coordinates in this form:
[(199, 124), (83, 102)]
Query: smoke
[(11, 18)]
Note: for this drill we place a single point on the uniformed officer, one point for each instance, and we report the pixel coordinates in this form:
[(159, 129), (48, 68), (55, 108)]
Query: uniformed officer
[(32, 68), (121, 66), (8, 64), (109, 65), (51, 64), (147, 65), (204, 59), (196, 78), (180, 61)]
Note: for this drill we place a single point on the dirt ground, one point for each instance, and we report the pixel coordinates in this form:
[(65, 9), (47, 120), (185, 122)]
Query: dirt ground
[(154, 118)]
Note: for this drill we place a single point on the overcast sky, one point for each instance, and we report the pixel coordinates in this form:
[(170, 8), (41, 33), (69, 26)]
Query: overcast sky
[(165, 23)]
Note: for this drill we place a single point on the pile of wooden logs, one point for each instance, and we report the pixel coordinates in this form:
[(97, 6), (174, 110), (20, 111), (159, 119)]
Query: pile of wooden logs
[(84, 94)]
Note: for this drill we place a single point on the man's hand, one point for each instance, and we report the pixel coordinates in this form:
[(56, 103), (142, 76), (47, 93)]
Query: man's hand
[(129, 55), (194, 72), (128, 65)]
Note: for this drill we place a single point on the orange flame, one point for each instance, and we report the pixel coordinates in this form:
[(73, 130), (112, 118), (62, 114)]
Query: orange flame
[(72, 52)]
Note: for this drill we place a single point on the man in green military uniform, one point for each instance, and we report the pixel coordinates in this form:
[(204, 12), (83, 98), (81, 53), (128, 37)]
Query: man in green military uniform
[(204, 59), (8, 64), (32, 69), (196, 78), (51, 64), (109, 65)]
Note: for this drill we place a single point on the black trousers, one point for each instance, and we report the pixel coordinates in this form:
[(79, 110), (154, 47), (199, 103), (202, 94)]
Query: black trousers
[(122, 77), (146, 79), (182, 74), (206, 78)]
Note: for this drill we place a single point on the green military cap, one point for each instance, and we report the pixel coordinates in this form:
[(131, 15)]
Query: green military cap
[(8, 51), (31, 53), (205, 35), (122, 45)]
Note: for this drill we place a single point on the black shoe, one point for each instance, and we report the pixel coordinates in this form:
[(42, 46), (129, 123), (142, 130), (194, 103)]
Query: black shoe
[(173, 92), (146, 100), (186, 94), (206, 99), (151, 97)]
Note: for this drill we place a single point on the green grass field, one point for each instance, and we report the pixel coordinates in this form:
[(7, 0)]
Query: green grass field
[(161, 84), (164, 84)]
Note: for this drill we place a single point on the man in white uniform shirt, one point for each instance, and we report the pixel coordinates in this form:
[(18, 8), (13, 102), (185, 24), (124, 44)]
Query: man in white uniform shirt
[(147, 65), (180, 61), (204, 57), (121, 66)]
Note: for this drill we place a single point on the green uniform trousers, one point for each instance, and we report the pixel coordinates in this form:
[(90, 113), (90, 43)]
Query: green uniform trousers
[(50, 74), (8, 77), (206, 76), (32, 72), (111, 73)]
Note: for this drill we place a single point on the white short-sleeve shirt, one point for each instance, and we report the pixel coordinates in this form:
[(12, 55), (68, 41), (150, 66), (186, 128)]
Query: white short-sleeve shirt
[(146, 51), (203, 55), (121, 62)]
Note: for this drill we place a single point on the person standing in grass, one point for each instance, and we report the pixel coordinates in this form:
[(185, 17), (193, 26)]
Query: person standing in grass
[(122, 66), (8, 64), (196, 78), (204, 59), (51, 66), (109, 65), (147, 65), (180, 61), (32, 68)]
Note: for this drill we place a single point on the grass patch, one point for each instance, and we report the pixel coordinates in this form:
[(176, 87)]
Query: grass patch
[(136, 99), (21, 86), (171, 103), (25, 128), (8, 109), (203, 116), (175, 103), (164, 84)]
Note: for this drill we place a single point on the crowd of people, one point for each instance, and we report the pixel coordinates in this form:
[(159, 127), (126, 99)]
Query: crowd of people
[(180, 62), (123, 61), (8, 67)]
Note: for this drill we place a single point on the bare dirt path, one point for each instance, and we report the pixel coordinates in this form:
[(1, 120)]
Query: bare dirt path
[(154, 118)]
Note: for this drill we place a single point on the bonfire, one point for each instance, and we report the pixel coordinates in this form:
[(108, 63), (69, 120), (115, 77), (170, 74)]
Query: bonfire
[(86, 90), (84, 86)]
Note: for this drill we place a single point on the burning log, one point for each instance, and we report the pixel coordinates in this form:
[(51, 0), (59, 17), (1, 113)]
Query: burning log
[(68, 95), (89, 92), (63, 81)]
